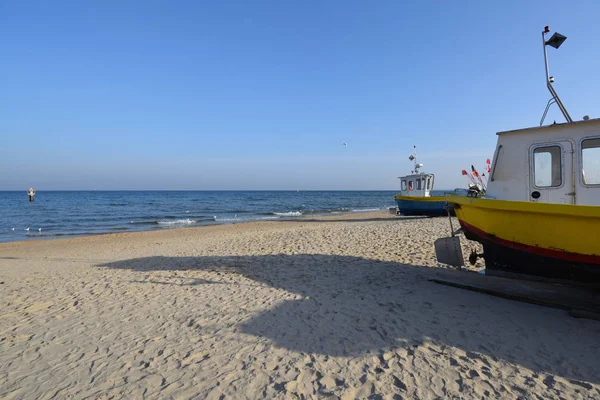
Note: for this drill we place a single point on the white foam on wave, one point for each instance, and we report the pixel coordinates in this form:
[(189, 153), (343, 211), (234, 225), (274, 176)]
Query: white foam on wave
[(366, 209), (178, 222), (230, 219), (289, 214)]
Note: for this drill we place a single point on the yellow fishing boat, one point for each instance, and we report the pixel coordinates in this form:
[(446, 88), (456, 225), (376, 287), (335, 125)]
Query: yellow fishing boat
[(415, 196), (540, 216)]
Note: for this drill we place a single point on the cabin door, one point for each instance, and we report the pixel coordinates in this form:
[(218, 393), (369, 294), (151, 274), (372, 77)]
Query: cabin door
[(588, 174), (551, 172)]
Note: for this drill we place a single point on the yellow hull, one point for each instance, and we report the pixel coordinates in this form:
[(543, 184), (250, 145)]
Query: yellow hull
[(562, 227), (556, 241), (429, 199)]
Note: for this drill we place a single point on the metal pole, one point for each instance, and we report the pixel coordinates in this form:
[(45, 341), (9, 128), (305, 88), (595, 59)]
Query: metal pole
[(559, 103), (545, 56), (415, 165), (549, 84)]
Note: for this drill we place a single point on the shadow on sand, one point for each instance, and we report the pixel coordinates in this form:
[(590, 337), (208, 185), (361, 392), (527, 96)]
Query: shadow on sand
[(351, 306)]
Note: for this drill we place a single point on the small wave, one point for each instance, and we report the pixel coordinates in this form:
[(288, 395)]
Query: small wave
[(178, 222), (118, 204), (332, 211), (366, 209), (82, 233), (289, 214), (143, 222), (230, 219), (154, 217), (328, 211), (306, 212)]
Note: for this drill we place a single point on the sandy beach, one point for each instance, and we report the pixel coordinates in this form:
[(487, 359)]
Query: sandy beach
[(337, 307)]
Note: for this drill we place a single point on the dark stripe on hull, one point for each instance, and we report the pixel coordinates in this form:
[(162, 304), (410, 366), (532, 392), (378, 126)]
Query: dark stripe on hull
[(515, 258), (431, 209), (427, 213)]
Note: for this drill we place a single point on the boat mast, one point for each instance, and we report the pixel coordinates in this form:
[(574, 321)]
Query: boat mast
[(555, 41), (413, 158)]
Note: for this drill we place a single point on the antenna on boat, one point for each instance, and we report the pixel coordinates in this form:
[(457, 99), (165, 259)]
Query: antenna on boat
[(413, 157), (555, 41)]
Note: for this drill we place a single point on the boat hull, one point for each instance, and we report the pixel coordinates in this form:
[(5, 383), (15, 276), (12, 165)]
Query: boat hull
[(428, 206), (548, 241)]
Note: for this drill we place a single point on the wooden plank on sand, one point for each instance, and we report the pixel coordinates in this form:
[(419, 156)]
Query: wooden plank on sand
[(580, 302)]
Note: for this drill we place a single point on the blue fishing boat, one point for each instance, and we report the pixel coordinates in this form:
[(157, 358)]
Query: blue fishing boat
[(415, 196)]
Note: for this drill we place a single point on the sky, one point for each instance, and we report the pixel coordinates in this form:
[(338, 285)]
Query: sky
[(261, 95)]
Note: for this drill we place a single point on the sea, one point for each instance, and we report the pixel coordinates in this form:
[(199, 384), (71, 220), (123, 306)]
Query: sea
[(78, 213)]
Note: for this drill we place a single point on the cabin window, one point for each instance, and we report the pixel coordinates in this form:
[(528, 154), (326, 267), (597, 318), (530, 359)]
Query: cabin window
[(418, 184), (547, 166), (410, 185), (428, 183), (403, 185), (590, 161)]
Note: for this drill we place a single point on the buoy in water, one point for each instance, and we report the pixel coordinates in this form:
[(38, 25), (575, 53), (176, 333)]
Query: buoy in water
[(31, 193)]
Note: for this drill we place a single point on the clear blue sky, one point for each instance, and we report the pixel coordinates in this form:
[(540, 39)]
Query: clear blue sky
[(262, 94)]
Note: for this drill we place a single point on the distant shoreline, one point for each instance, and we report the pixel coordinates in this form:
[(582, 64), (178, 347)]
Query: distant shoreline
[(338, 217)]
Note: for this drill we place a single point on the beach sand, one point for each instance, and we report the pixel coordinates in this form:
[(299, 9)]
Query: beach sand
[(327, 307)]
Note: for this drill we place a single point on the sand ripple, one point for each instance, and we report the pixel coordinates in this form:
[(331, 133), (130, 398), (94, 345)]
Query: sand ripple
[(339, 309)]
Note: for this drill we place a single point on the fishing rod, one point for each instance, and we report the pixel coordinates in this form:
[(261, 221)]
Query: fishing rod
[(488, 169), (476, 174), (471, 179), (485, 178)]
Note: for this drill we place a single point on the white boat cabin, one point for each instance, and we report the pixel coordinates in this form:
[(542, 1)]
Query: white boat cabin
[(418, 185), (557, 163)]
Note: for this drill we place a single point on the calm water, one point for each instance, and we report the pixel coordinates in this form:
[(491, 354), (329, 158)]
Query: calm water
[(85, 213)]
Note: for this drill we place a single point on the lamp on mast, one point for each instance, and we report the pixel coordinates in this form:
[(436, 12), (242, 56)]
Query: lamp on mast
[(556, 40)]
